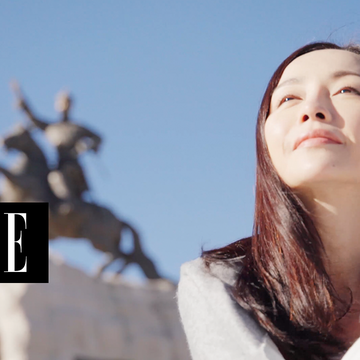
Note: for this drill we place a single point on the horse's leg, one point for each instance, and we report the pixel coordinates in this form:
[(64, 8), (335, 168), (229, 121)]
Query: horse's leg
[(100, 269), (139, 257), (114, 254)]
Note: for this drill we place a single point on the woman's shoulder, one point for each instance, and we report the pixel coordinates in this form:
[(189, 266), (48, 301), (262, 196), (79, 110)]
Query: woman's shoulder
[(203, 287), (214, 273), (215, 325)]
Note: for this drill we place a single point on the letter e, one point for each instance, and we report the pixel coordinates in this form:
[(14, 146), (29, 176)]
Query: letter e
[(12, 241)]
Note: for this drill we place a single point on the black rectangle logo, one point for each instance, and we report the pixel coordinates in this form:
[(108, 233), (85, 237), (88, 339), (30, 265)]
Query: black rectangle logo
[(24, 242)]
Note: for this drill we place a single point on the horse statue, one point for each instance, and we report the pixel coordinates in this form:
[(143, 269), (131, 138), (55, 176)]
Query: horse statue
[(27, 180)]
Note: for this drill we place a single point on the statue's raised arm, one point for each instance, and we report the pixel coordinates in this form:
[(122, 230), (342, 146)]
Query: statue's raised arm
[(24, 105)]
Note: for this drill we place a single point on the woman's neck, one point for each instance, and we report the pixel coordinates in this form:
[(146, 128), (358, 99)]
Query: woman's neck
[(336, 214)]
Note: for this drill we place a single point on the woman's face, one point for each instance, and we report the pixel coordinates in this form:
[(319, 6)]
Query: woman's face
[(318, 91)]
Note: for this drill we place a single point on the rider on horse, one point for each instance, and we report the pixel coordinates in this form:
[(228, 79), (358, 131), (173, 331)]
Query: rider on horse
[(70, 139)]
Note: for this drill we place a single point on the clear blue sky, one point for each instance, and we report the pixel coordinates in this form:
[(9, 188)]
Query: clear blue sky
[(174, 89)]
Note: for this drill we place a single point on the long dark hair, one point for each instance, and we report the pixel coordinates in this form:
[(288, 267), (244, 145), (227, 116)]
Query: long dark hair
[(282, 280)]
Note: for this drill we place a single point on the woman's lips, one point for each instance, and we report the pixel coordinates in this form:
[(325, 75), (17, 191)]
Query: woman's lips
[(315, 141), (317, 137)]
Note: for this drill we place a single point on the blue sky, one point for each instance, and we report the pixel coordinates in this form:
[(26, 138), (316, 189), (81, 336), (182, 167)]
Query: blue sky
[(173, 87)]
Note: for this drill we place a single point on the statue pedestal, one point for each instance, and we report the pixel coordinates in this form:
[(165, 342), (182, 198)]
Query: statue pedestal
[(76, 317)]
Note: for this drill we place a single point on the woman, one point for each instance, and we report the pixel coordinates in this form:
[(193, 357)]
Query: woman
[(291, 290)]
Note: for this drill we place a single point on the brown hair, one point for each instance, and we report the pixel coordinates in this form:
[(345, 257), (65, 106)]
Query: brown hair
[(282, 280)]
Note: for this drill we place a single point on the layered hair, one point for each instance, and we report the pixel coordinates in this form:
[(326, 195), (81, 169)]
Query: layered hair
[(282, 281)]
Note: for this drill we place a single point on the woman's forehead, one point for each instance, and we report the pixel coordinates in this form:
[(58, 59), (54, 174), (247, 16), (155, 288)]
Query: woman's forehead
[(321, 62)]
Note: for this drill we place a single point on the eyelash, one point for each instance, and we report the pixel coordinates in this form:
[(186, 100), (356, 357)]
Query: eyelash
[(348, 88), (283, 100)]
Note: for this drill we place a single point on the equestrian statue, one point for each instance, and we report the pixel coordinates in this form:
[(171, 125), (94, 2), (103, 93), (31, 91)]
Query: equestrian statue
[(31, 179)]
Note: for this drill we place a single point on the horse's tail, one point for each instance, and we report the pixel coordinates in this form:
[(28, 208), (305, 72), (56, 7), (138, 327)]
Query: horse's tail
[(139, 257)]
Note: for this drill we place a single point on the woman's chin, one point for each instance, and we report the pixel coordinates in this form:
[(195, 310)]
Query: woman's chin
[(314, 174)]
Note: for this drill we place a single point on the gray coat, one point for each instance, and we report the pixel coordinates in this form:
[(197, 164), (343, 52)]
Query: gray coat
[(216, 327)]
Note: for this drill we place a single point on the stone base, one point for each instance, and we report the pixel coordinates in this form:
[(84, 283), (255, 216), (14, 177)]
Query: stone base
[(76, 317)]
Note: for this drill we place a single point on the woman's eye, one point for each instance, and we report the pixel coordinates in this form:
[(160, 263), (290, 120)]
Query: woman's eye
[(348, 90), (286, 98)]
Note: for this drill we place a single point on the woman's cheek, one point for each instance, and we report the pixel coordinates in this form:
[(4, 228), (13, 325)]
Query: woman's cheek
[(276, 134)]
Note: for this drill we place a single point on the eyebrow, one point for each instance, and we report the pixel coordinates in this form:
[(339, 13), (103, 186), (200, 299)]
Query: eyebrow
[(289, 82), (338, 74), (335, 75)]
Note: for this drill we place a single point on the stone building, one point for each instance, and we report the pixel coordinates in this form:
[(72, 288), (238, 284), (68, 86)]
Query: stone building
[(77, 317)]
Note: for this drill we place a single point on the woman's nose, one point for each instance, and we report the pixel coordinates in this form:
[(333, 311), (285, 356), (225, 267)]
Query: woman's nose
[(315, 110)]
